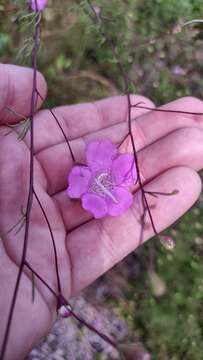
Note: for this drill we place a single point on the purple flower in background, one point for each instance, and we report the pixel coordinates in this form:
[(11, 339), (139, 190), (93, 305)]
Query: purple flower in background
[(41, 4), (102, 184)]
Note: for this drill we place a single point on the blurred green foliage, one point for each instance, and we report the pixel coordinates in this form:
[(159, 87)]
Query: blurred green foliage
[(164, 61), (172, 325)]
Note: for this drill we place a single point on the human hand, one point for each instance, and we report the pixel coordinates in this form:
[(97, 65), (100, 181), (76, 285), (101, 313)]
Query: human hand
[(170, 148)]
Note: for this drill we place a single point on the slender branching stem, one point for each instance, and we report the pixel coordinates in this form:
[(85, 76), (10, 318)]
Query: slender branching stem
[(53, 241), (30, 192), (124, 75), (61, 128), (167, 110), (63, 302)]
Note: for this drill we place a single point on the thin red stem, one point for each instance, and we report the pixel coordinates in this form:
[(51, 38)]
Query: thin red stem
[(98, 21), (92, 328), (53, 242), (30, 193), (41, 279), (166, 110), (63, 302), (63, 132)]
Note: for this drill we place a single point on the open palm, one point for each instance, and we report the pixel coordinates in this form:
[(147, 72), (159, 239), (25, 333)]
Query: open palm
[(170, 148)]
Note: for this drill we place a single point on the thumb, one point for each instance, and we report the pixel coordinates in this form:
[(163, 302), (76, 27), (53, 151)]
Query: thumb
[(16, 91)]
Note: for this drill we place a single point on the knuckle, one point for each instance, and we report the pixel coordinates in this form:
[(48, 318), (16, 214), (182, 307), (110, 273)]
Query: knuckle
[(42, 84), (135, 98), (192, 105), (192, 134), (7, 90), (139, 135), (192, 100)]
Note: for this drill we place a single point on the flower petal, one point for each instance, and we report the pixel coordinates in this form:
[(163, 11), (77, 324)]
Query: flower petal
[(94, 204), (100, 154), (78, 178), (124, 170), (125, 200)]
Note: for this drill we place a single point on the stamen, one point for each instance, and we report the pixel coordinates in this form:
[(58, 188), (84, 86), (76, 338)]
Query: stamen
[(106, 191)]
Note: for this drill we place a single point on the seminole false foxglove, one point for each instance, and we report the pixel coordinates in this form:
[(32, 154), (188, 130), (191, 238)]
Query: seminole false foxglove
[(102, 184)]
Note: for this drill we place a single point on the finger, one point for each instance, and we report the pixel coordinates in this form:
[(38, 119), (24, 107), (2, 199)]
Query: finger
[(85, 118), (146, 129), (82, 119), (90, 117), (15, 92), (183, 147), (97, 246), (155, 124), (182, 143)]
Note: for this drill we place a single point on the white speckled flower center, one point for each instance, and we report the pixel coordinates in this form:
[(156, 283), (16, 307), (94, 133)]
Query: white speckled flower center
[(102, 185)]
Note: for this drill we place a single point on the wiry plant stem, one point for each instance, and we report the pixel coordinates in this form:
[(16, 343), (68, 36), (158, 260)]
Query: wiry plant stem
[(63, 302), (166, 110), (146, 208), (53, 241), (60, 299), (30, 193), (92, 328), (63, 132), (98, 21)]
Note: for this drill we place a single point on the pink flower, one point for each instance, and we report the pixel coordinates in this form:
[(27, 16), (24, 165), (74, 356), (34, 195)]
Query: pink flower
[(41, 4), (97, 10), (102, 184)]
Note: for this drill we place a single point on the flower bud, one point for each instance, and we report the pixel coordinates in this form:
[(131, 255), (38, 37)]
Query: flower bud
[(167, 242), (38, 5), (64, 311), (158, 285)]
